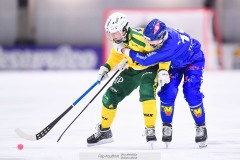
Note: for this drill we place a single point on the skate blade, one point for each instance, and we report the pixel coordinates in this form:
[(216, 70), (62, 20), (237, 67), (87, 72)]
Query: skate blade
[(104, 141), (202, 144), (167, 144), (151, 143)]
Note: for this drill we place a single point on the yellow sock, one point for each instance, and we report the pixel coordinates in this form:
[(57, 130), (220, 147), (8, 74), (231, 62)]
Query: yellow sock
[(150, 113), (107, 116)]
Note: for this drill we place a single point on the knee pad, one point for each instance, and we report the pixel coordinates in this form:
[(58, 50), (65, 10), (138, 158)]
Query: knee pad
[(110, 99), (168, 95), (147, 92), (191, 89), (193, 96)]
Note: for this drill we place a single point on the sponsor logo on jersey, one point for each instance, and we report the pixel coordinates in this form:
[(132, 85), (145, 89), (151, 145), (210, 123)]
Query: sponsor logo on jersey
[(197, 112), (167, 110)]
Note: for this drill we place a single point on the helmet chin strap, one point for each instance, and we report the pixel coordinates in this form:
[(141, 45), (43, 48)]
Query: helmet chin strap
[(118, 41)]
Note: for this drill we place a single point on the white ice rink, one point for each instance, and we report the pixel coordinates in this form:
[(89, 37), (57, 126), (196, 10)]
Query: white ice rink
[(31, 100)]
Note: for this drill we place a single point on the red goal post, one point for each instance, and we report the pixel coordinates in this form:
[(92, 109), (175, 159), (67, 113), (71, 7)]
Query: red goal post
[(196, 22)]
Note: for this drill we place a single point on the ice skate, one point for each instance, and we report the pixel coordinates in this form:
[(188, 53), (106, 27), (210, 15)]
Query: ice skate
[(102, 136), (150, 136), (201, 136), (167, 134)]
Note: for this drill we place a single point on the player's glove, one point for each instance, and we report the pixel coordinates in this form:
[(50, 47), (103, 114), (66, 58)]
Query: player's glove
[(102, 73), (118, 47), (163, 78), (123, 64)]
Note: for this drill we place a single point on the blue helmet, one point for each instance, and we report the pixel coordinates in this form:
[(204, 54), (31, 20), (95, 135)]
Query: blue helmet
[(155, 30)]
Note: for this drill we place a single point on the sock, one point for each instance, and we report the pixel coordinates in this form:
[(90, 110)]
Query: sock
[(198, 114), (166, 113), (150, 113), (107, 116)]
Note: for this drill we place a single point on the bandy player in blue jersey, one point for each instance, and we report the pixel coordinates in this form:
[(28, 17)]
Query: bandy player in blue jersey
[(187, 60)]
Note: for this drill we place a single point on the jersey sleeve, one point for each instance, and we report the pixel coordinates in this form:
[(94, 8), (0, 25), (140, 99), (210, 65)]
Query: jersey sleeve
[(164, 66), (113, 60), (163, 54), (167, 52)]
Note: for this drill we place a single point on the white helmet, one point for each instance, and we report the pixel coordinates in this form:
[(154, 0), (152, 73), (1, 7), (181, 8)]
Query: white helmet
[(117, 22)]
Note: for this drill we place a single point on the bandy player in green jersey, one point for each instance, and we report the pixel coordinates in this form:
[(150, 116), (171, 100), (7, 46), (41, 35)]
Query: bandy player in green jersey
[(133, 75)]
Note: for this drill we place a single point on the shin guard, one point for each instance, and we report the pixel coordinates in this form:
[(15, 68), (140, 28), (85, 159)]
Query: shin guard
[(150, 113), (198, 114), (108, 116)]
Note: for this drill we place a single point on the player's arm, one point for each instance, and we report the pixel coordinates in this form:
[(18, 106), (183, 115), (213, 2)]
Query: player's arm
[(113, 60), (164, 66), (163, 54)]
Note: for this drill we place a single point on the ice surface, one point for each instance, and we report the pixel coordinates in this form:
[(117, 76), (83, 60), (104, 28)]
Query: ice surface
[(31, 100)]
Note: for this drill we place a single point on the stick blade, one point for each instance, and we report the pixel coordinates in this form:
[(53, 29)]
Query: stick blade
[(23, 135)]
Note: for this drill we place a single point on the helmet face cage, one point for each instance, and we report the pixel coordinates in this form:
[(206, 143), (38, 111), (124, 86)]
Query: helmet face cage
[(160, 41), (124, 32), (117, 22), (163, 37)]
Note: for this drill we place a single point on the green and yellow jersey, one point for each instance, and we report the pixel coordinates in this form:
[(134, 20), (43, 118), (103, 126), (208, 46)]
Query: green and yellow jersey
[(135, 41)]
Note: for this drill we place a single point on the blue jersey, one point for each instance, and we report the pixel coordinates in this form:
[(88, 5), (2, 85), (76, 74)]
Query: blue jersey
[(179, 48)]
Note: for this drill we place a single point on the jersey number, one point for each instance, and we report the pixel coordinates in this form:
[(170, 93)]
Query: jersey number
[(182, 36)]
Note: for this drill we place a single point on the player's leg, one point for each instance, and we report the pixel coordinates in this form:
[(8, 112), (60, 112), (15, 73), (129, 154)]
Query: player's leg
[(121, 87), (168, 94), (193, 78), (147, 92)]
